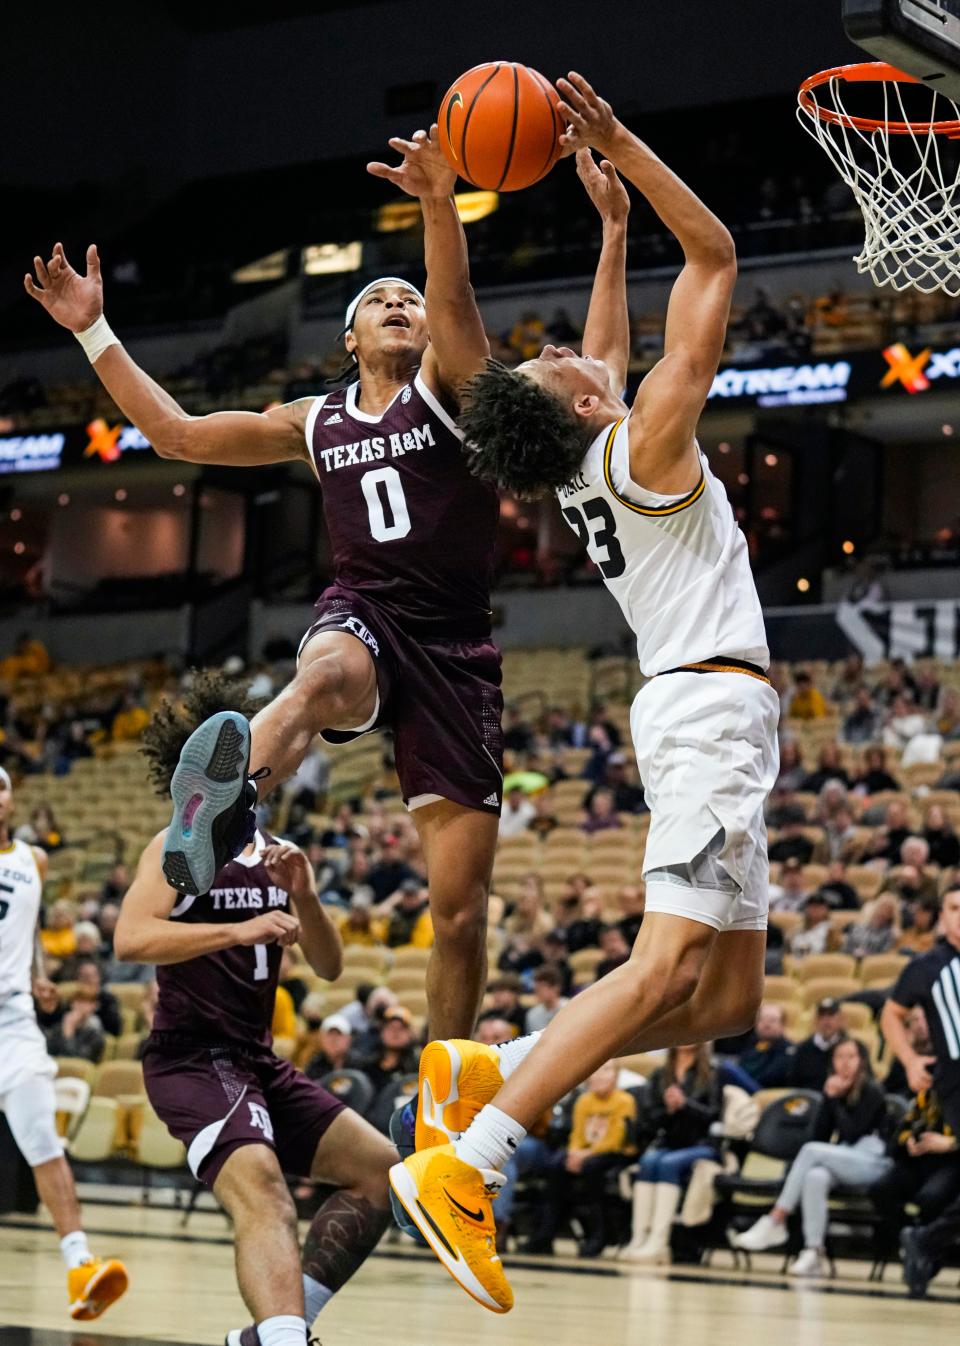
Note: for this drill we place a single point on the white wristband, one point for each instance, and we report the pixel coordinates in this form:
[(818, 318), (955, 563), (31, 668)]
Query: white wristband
[(96, 339)]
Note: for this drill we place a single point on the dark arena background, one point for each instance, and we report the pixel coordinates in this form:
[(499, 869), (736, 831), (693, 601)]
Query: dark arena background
[(217, 156)]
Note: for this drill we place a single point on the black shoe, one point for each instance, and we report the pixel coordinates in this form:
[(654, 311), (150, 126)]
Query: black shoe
[(592, 1247), (401, 1129), (243, 1336), (213, 801), (536, 1248), (918, 1268)]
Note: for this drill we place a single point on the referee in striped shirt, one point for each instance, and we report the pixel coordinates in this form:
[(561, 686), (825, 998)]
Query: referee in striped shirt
[(933, 981)]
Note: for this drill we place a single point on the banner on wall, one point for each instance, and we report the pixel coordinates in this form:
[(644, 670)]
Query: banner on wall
[(902, 630), (99, 443)]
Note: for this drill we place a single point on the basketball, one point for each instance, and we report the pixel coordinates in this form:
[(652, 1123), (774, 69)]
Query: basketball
[(499, 126)]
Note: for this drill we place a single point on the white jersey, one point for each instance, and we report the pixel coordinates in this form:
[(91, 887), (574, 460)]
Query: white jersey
[(21, 890), (677, 565)]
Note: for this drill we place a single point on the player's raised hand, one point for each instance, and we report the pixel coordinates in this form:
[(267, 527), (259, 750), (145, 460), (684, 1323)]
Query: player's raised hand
[(288, 867), (272, 927), (604, 186), (423, 171), (590, 120), (72, 300)]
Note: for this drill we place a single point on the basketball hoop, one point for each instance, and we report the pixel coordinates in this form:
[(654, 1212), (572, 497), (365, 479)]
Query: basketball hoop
[(904, 173)]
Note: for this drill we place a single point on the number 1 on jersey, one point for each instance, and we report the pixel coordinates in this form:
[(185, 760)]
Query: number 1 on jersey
[(261, 970), (386, 504)]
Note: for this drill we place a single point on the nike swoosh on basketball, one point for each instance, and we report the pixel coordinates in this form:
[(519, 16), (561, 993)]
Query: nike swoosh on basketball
[(470, 1214)]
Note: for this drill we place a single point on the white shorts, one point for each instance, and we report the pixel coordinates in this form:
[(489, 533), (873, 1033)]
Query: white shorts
[(707, 750), (23, 1048)]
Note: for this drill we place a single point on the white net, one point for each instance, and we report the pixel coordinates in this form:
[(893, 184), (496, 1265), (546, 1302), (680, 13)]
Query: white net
[(904, 175)]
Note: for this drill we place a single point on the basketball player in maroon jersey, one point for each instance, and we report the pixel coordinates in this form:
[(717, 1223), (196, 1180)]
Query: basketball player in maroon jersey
[(246, 1116), (402, 637)]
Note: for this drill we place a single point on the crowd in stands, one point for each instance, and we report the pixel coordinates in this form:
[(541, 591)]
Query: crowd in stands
[(862, 845)]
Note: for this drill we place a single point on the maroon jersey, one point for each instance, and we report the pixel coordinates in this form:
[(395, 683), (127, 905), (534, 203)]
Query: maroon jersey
[(226, 996), (411, 528)]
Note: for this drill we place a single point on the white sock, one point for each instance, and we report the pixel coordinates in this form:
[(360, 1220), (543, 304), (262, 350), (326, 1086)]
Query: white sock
[(284, 1330), (75, 1249), (513, 1053), (315, 1296), (490, 1139)]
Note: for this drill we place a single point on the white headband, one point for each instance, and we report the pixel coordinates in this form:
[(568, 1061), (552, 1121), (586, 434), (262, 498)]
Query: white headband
[(375, 285), (5, 780)]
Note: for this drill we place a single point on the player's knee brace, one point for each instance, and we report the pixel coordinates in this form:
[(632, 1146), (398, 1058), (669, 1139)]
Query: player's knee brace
[(31, 1114)]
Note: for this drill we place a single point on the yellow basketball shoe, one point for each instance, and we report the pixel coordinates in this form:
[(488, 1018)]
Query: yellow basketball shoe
[(94, 1285), (450, 1203), (457, 1077)]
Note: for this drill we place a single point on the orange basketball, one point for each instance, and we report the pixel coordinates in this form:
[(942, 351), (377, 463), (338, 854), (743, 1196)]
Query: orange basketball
[(499, 126)]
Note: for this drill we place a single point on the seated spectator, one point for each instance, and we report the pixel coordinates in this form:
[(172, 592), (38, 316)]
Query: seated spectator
[(948, 715), (366, 1042), (599, 1141), (355, 1012), (615, 950), (766, 1057), (807, 702), (854, 1110), (116, 883), (792, 845), (631, 900), (941, 838), (862, 723), (926, 688), (87, 950), (921, 934), (878, 932), (548, 992), (544, 820), (520, 955), (601, 816), (518, 813), (527, 338), (41, 830), (493, 1032), (554, 949), (580, 914), (904, 723), (359, 925), (874, 776), (517, 733), (396, 1053), (849, 679), (335, 1043), (792, 773), (30, 659), (59, 935), (530, 917), (886, 841), (409, 925), (79, 1031), (504, 992), (308, 1035), (816, 934), (627, 797), (829, 768), (834, 799), (784, 808), (839, 840), (89, 980), (391, 870), (840, 893), (682, 1100), (792, 890), (925, 1172), (130, 720), (811, 1061)]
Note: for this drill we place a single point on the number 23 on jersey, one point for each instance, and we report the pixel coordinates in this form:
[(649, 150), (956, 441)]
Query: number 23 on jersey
[(596, 528)]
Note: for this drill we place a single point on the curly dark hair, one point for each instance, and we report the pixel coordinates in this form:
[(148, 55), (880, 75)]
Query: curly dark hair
[(173, 721), (517, 435)]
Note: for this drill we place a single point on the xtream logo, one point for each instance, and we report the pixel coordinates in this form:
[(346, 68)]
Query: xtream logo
[(788, 385)]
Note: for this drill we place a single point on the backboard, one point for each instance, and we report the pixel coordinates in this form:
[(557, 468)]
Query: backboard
[(921, 37)]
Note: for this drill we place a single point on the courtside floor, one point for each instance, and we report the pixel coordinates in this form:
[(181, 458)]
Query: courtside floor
[(182, 1290)]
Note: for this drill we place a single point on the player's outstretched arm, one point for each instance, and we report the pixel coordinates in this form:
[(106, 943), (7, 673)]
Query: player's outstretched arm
[(606, 335), (319, 937), (672, 396), (228, 438), (458, 343), (145, 934)]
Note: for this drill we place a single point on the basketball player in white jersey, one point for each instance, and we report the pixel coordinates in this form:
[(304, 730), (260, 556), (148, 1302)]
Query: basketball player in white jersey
[(26, 1071), (635, 487)]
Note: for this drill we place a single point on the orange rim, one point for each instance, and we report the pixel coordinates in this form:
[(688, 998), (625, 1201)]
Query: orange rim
[(867, 72)]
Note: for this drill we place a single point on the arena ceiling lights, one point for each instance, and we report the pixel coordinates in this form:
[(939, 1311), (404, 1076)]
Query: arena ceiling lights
[(471, 206), (331, 259)]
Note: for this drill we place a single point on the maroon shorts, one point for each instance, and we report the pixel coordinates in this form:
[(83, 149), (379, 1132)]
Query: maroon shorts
[(216, 1099), (441, 699)]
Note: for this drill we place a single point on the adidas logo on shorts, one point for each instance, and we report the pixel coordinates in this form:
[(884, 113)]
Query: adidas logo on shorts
[(493, 800)]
